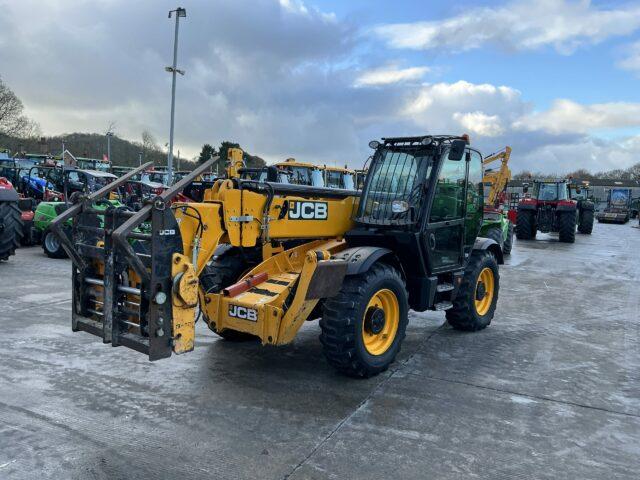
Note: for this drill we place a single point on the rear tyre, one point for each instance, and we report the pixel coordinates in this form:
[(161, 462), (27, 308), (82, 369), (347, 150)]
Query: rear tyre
[(10, 229), (525, 225), (477, 296), (364, 325), (219, 273), (508, 242), (51, 246), (586, 222), (567, 226)]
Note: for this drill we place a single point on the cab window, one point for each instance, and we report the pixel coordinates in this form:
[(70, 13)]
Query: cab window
[(448, 202)]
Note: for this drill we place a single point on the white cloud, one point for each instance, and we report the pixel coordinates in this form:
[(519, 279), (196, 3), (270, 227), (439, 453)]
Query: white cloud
[(595, 155), (278, 78), (631, 59), (452, 106), (480, 123), (566, 116), (520, 25), (390, 75)]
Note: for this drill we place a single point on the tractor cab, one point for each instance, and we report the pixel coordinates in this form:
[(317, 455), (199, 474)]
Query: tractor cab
[(300, 173), (87, 181), (579, 191), (336, 177), (551, 191)]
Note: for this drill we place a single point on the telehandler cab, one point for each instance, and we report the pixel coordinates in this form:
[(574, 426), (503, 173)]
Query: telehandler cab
[(259, 258)]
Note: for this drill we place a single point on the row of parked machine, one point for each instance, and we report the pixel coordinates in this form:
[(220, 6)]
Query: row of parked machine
[(31, 196), (34, 192)]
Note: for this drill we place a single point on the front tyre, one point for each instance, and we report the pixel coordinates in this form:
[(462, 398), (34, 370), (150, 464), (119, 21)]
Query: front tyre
[(477, 297), (51, 246), (364, 325)]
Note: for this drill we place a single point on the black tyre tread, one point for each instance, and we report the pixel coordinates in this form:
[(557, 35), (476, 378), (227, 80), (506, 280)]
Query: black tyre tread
[(341, 318), (222, 271), (508, 242), (586, 222), (12, 233), (60, 253), (525, 225), (567, 226), (463, 316), (495, 233)]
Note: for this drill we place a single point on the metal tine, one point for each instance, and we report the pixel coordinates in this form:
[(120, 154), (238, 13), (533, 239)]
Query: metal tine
[(121, 235), (59, 221), (178, 187)]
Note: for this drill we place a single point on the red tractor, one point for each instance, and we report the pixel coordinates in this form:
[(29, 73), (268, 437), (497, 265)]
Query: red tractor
[(549, 209), (11, 219)]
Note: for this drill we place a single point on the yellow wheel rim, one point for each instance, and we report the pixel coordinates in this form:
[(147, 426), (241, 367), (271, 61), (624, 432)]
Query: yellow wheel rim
[(380, 322), (485, 289)]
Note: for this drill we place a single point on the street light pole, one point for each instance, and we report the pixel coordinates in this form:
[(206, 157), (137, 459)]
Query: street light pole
[(109, 135), (180, 12)]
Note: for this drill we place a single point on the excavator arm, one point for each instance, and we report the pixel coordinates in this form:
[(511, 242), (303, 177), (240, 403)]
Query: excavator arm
[(496, 181)]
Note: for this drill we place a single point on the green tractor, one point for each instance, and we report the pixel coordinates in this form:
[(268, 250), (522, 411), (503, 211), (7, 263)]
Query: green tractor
[(497, 226), (75, 182)]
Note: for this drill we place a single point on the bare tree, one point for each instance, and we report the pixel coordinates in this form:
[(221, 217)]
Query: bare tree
[(12, 121), (149, 143)]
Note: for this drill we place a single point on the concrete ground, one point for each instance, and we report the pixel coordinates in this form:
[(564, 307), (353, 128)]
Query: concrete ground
[(550, 390)]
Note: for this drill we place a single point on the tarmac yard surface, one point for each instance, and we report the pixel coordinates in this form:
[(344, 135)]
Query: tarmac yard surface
[(550, 390)]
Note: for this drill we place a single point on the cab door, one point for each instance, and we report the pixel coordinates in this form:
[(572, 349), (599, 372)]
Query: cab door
[(445, 230)]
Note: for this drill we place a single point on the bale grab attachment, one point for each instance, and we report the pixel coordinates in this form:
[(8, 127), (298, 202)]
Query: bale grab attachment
[(127, 267)]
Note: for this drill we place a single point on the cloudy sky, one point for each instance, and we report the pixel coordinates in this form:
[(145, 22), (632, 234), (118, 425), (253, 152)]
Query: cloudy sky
[(559, 80)]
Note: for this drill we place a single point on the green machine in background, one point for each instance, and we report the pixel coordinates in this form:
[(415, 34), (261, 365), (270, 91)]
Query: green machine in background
[(496, 223)]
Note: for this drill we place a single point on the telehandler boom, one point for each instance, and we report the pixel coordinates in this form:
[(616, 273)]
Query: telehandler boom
[(257, 259)]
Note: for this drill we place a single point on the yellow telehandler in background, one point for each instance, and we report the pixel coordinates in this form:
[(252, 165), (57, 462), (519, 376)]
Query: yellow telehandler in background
[(258, 258)]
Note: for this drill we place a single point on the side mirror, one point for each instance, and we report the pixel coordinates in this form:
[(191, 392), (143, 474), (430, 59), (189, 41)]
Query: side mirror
[(457, 150), (525, 187)]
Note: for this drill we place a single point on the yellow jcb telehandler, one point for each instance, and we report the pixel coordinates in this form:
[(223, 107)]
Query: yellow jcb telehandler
[(258, 258)]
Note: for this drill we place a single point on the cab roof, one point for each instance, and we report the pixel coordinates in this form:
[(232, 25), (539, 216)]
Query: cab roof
[(292, 162), (338, 169)]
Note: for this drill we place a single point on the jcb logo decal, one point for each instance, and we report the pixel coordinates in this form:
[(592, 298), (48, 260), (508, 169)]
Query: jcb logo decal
[(308, 210), (236, 311)]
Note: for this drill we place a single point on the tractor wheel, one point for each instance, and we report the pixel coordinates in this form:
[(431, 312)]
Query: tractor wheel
[(51, 245), (364, 325), (477, 296), (220, 272), (567, 226), (508, 242), (10, 229), (525, 225), (586, 222), (495, 234)]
